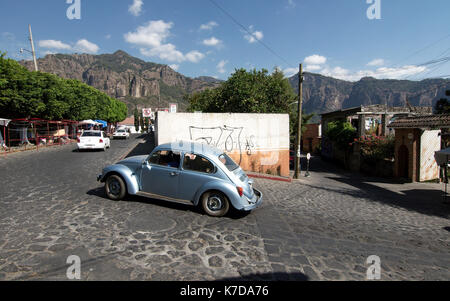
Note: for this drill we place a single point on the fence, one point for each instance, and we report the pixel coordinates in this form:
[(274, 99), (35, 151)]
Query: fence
[(28, 134)]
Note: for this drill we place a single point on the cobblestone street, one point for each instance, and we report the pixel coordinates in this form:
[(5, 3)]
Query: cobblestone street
[(318, 228)]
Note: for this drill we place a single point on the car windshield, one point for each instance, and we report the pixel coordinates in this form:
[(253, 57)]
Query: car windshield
[(91, 134), (228, 162)]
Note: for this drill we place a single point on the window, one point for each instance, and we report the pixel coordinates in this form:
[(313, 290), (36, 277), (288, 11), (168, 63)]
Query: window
[(91, 134), (197, 163), (228, 162), (166, 158)]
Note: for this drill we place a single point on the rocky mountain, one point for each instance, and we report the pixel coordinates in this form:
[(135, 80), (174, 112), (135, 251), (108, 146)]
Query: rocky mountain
[(144, 84), (325, 94), (126, 78)]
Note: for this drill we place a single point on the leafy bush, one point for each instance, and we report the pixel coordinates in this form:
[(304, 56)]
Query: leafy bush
[(342, 133), (375, 148)]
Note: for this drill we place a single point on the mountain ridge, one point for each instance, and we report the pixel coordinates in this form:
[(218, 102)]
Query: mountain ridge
[(142, 84)]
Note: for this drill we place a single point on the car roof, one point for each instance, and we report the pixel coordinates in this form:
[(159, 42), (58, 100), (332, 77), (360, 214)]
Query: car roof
[(190, 146)]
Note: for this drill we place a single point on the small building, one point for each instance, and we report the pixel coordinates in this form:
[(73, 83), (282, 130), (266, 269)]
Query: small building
[(129, 125), (375, 117), (416, 141), (311, 139)]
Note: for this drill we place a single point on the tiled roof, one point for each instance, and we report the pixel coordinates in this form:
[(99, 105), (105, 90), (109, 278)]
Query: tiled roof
[(427, 121), (128, 121)]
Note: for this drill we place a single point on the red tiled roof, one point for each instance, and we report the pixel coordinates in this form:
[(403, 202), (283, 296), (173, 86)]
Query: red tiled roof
[(427, 121), (128, 121)]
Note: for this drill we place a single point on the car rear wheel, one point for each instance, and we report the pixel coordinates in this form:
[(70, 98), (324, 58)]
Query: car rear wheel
[(215, 204), (115, 188)]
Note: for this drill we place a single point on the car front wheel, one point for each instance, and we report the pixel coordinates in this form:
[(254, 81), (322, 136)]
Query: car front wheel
[(115, 188), (215, 204)]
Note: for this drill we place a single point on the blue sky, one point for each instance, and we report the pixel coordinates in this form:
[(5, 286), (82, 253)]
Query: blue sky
[(330, 37)]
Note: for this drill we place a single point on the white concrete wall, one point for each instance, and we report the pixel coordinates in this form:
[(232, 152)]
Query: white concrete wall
[(430, 143), (260, 138)]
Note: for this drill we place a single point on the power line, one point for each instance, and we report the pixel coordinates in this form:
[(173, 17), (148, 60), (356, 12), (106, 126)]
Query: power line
[(250, 33)]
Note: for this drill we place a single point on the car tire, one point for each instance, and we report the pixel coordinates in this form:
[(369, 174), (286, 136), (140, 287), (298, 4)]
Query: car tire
[(115, 188), (215, 203)]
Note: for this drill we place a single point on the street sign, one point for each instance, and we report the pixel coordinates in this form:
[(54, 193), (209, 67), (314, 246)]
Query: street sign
[(173, 108), (146, 113)]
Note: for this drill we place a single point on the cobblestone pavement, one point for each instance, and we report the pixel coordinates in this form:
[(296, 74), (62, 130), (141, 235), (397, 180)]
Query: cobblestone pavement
[(318, 228)]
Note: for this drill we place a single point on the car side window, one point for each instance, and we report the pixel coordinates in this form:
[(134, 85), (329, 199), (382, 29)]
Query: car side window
[(193, 162), (166, 158)]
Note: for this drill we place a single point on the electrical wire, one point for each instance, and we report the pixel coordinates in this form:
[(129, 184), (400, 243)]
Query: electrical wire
[(251, 33)]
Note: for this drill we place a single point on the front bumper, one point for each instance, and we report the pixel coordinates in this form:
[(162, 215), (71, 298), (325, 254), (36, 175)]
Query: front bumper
[(254, 205)]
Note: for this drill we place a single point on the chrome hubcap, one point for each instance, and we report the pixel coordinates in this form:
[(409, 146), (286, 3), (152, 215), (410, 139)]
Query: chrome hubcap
[(215, 203), (114, 187)]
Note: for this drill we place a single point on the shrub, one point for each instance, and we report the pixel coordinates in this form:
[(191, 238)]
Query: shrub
[(342, 133)]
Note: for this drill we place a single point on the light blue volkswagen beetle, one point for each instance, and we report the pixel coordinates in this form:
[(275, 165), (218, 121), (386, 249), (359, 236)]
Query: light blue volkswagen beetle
[(184, 172)]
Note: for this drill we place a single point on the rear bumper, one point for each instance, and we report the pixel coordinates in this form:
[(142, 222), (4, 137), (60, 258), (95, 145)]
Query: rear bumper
[(255, 205), (94, 146)]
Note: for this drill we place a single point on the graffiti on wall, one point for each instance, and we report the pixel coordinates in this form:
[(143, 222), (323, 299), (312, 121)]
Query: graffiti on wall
[(227, 138)]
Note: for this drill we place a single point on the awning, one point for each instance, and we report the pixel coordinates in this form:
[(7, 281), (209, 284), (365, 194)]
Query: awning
[(103, 123), (442, 157), (4, 122), (89, 122)]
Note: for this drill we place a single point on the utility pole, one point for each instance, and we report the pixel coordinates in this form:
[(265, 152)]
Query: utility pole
[(299, 123), (32, 49)]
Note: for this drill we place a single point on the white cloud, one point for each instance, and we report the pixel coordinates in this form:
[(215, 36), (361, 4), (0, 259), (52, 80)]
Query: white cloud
[(209, 25), (312, 67), (213, 41), (288, 72), (221, 66), (152, 34), (174, 67), (255, 35), (376, 63), (315, 59), (136, 8), (166, 52), (108, 36), (291, 4), (86, 47), (52, 44), (152, 38), (48, 52), (194, 56), (380, 73)]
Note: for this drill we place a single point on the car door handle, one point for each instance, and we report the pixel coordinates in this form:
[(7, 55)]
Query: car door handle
[(174, 174)]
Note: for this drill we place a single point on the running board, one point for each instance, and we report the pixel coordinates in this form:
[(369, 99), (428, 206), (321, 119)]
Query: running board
[(164, 198)]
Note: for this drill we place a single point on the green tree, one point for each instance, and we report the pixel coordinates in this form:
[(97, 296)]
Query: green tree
[(136, 119), (43, 95), (443, 105), (246, 92)]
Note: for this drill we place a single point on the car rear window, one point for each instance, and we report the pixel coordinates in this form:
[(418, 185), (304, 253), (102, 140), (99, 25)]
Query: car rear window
[(91, 134), (228, 162), (197, 163)]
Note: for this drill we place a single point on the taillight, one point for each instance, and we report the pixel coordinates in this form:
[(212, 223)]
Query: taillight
[(240, 191), (101, 140), (78, 140)]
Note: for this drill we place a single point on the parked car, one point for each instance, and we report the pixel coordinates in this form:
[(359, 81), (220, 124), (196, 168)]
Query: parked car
[(121, 134), (188, 173), (93, 140)]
